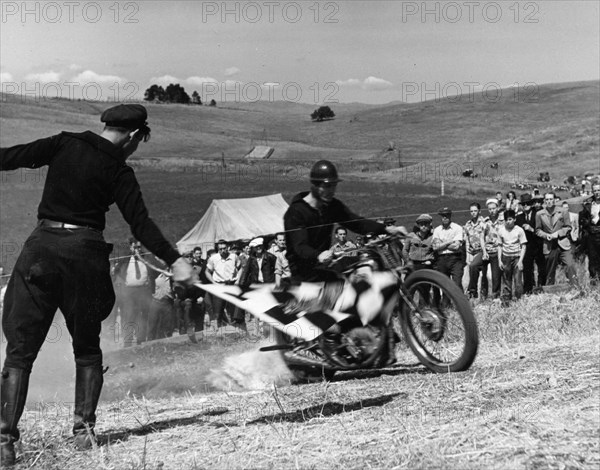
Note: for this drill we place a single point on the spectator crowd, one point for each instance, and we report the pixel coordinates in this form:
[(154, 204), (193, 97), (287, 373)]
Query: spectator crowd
[(519, 243)]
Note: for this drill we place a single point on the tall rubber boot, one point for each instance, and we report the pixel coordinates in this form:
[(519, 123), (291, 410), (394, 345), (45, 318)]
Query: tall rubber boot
[(15, 383), (88, 385)]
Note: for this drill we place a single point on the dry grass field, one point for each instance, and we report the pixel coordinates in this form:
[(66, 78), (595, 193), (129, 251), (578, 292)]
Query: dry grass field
[(530, 401)]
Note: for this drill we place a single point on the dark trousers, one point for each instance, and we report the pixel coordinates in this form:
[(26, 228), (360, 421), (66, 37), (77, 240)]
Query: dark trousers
[(474, 270), (134, 313), (511, 273), (480, 265), (533, 255), (558, 255), (58, 269), (161, 320), (593, 252), (222, 311), (189, 312), (452, 266)]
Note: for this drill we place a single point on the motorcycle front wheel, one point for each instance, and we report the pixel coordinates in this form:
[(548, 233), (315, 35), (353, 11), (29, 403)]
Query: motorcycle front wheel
[(437, 322)]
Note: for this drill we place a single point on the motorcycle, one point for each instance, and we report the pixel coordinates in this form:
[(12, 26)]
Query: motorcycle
[(325, 327)]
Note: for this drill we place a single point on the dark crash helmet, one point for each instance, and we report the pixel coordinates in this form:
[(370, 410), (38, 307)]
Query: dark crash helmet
[(324, 172)]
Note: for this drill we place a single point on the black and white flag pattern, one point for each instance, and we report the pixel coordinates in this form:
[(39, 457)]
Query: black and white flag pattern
[(368, 298)]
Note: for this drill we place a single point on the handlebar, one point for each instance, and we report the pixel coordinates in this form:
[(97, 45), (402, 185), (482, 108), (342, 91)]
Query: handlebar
[(376, 245)]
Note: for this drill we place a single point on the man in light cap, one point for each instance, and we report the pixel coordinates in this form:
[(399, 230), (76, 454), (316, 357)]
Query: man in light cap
[(65, 264), (260, 269), (417, 248), (493, 222)]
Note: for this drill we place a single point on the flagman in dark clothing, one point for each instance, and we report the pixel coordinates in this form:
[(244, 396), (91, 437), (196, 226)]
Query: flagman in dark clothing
[(309, 223), (64, 263)]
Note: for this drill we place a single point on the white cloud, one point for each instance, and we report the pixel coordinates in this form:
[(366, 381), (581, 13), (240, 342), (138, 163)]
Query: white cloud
[(231, 71), (43, 77), (370, 83), (199, 81), (164, 80), (90, 76), (349, 82), (376, 84), (6, 77)]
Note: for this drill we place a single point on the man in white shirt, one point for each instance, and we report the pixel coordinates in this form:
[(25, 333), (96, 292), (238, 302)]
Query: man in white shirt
[(222, 268), (447, 244)]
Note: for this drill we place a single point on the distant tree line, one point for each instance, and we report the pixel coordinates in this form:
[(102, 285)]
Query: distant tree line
[(174, 93)]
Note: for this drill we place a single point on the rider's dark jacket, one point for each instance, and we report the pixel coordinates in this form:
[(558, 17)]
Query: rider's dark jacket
[(308, 232)]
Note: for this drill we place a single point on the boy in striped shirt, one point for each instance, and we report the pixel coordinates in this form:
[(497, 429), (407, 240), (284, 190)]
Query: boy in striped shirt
[(511, 252)]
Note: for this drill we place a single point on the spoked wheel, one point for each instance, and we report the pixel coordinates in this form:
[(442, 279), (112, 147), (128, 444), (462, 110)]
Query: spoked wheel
[(438, 322), (306, 366)]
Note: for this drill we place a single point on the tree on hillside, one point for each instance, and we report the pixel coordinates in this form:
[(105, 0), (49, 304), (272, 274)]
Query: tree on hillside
[(155, 93), (196, 98), (213, 103), (323, 113), (176, 94)]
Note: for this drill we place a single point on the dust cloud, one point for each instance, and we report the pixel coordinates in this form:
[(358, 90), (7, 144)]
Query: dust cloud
[(251, 370)]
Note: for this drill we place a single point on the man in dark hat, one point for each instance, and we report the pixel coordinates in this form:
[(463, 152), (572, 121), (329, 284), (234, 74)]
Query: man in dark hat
[(533, 249), (310, 219), (64, 263)]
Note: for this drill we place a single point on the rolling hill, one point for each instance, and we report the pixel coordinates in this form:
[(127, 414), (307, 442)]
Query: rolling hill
[(552, 127)]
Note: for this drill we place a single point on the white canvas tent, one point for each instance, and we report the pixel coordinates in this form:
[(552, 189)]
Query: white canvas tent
[(235, 219)]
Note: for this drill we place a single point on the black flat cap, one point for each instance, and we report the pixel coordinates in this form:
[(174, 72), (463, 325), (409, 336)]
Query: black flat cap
[(526, 198), (445, 211), (130, 116)]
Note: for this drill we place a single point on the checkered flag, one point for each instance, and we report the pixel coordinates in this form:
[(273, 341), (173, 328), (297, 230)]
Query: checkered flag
[(300, 311)]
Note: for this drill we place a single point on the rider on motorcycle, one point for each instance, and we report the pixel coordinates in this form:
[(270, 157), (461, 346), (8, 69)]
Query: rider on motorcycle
[(309, 223)]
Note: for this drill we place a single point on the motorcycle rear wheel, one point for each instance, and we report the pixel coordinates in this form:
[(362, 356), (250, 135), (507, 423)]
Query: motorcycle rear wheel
[(443, 332)]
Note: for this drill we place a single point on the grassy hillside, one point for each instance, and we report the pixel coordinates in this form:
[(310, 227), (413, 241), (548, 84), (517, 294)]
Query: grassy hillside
[(556, 129), (549, 127)]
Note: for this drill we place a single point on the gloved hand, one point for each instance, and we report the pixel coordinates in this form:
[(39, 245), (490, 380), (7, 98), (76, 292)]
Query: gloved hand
[(325, 256), (182, 271)]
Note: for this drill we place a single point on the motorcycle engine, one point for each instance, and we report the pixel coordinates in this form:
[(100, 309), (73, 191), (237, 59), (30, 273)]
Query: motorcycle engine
[(361, 342)]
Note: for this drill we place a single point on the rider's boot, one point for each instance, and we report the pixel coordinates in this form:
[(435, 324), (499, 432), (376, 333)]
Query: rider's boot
[(391, 347), (15, 383), (88, 385)]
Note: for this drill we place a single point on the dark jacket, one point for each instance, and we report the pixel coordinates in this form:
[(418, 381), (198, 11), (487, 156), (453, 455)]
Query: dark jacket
[(532, 239), (250, 272), (308, 231), (86, 175), (588, 229)]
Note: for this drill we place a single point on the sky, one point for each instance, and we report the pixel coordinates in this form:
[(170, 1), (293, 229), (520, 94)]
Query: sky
[(305, 51)]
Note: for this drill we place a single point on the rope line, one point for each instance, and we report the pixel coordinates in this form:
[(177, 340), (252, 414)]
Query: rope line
[(155, 268)]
